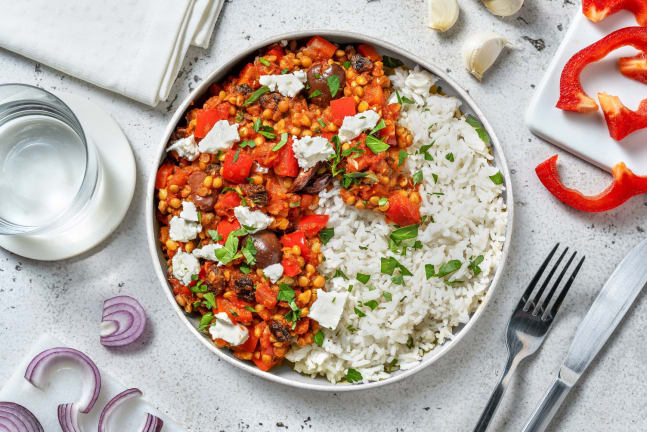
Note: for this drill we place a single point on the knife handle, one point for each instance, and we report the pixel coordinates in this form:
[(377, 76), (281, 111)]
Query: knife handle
[(549, 406)]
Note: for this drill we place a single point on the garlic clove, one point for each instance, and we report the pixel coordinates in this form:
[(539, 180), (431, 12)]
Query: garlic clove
[(503, 8), (481, 50), (443, 14)]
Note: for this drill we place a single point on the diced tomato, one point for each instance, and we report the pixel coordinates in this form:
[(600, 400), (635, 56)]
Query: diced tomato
[(261, 364), (321, 47), (208, 117), (277, 51), (180, 177), (369, 51), (286, 164), (290, 267), (225, 227), (340, 108), (297, 238), (250, 343), (306, 200), (234, 308), (227, 201), (240, 307), (374, 95), (310, 225), (237, 171), (248, 75), (302, 326), (162, 173), (263, 154), (402, 210), (265, 295)]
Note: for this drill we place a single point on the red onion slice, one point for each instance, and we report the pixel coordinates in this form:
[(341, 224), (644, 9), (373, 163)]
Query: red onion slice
[(123, 321), (68, 417), (36, 373), (152, 424), (17, 418)]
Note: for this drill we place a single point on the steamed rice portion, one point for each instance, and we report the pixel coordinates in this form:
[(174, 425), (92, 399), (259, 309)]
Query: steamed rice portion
[(465, 218)]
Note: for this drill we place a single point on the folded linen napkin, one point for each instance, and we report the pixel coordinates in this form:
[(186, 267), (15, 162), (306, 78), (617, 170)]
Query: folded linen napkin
[(132, 47)]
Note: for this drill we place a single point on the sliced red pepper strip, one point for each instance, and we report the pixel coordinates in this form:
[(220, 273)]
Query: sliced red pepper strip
[(634, 67), (621, 120), (571, 94), (597, 10), (625, 185)]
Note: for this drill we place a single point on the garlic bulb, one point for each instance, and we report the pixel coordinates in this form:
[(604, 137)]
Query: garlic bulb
[(481, 50), (443, 14), (503, 8)]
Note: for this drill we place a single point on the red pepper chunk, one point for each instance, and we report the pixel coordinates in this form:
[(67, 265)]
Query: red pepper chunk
[(342, 107), (225, 227), (237, 166), (286, 164), (310, 225), (572, 96), (297, 238), (634, 67), (402, 210), (208, 117), (369, 51), (290, 267), (625, 185), (162, 174), (622, 121), (321, 47), (597, 10)]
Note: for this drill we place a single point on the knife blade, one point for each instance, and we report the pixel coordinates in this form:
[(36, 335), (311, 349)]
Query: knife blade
[(608, 309)]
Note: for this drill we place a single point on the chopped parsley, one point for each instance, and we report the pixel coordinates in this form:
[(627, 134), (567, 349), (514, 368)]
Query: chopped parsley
[(410, 342), (448, 268), (497, 178), (376, 145), (363, 278), (435, 177), (405, 233), (236, 155), (372, 304), (240, 116), (247, 143), (353, 376), (286, 294), (359, 312), (390, 264), (199, 287), (209, 301), (387, 295), (388, 368), (474, 265), (333, 84), (326, 235), (346, 64), (264, 61), (254, 97), (478, 127), (398, 279), (402, 156), (321, 123), (378, 127), (205, 321), (341, 274), (284, 71), (391, 62), (363, 247), (350, 178), (319, 338), (430, 271), (424, 150), (314, 94), (383, 201), (282, 142), (215, 235), (417, 178), (249, 251), (229, 252), (450, 156), (251, 309)]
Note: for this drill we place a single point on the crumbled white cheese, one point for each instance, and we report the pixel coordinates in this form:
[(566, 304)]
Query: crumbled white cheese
[(257, 168), (252, 220), (189, 212), (184, 265), (221, 137), (183, 230), (328, 308), (223, 328), (419, 82), (353, 126), (274, 272), (207, 252), (310, 150), (186, 148), (287, 84)]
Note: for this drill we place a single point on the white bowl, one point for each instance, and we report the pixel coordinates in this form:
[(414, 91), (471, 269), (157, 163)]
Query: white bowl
[(284, 374)]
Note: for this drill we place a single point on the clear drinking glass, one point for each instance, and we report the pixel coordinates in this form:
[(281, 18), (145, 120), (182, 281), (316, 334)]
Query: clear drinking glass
[(48, 169)]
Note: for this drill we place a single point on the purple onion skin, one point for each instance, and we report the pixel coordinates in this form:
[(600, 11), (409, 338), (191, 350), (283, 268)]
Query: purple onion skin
[(16, 417), (68, 418), (128, 317), (152, 424)]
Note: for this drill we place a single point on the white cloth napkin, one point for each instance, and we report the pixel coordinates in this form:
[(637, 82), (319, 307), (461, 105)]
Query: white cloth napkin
[(132, 47)]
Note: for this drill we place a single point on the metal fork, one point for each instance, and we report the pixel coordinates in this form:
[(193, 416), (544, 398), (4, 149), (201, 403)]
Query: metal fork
[(529, 325)]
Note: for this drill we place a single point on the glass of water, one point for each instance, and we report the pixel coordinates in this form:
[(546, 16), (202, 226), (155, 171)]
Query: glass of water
[(48, 169)]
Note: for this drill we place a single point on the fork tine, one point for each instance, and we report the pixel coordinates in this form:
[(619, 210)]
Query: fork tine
[(561, 296), (535, 279), (535, 303), (544, 305)]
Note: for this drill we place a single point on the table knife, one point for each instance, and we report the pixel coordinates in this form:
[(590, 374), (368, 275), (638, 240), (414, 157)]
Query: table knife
[(608, 309)]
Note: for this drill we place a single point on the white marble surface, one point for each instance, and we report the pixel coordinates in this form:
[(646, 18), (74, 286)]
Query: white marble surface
[(190, 384)]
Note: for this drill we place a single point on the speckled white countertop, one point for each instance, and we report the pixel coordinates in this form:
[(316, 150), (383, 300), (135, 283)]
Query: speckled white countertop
[(189, 383)]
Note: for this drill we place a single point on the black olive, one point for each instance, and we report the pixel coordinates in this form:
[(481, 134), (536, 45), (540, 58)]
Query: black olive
[(317, 76), (268, 247)]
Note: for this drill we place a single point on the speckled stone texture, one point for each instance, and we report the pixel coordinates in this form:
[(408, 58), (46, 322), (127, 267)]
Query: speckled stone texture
[(189, 383)]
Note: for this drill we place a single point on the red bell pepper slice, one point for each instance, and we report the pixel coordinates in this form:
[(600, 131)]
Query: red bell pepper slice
[(250, 343), (572, 96), (290, 267), (374, 95), (621, 120), (597, 10), (208, 117), (297, 238), (277, 51), (265, 295), (227, 201), (310, 225), (402, 210), (162, 173), (634, 67), (321, 47), (286, 164), (225, 227), (340, 108), (237, 166), (369, 51), (248, 75), (625, 185)]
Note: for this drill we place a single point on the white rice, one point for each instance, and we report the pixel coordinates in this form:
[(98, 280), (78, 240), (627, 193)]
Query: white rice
[(469, 220)]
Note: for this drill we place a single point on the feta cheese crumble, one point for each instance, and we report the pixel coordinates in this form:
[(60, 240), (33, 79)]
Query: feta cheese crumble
[(221, 137), (207, 252), (288, 85), (328, 307), (186, 148), (184, 265), (183, 230), (353, 126), (274, 272), (189, 212), (252, 220), (233, 334), (310, 150)]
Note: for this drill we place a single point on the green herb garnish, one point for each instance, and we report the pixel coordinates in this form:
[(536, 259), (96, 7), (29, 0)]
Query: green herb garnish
[(476, 124), (450, 157), (402, 156), (314, 94), (326, 235), (264, 61), (319, 338), (282, 142), (254, 97), (474, 265), (391, 62), (376, 145), (333, 84), (430, 271), (417, 178), (497, 178), (353, 376), (363, 278), (448, 268)]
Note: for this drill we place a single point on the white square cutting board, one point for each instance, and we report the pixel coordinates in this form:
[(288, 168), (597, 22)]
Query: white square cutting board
[(587, 135)]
